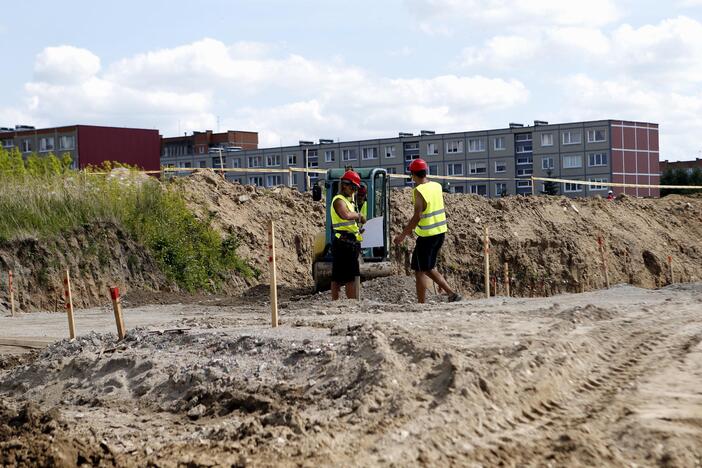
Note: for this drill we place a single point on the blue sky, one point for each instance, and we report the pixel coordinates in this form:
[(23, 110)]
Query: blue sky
[(351, 70)]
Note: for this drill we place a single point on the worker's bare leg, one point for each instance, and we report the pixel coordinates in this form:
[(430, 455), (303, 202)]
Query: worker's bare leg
[(439, 279), (351, 290), (421, 285), (335, 288)]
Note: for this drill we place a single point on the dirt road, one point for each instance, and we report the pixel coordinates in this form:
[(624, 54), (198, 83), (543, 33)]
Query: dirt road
[(602, 378)]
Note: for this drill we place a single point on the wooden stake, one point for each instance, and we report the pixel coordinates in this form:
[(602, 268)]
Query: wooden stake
[(486, 252), (12, 293), (605, 267), (69, 304), (506, 279), (274, 279), (670, 269), (117, 306)]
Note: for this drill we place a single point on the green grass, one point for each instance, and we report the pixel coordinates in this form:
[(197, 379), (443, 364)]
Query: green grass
[(44, 204)]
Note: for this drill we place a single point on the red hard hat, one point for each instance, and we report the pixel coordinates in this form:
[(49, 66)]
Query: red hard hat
[(418, 165), (353, 177)]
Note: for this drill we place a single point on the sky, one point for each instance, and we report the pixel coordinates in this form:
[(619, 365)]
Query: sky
[(311, 69)]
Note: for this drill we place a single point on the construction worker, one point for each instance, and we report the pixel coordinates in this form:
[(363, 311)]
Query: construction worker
[(361, 198), (429, 223), (610, 195), (346, 238)]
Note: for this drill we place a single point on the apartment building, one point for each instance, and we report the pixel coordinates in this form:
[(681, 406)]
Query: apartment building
[(207, 149), (687, 166), (601, 151), (87, 144)]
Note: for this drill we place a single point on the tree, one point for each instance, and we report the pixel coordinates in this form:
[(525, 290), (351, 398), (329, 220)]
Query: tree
[(550, 188), (681, 177)]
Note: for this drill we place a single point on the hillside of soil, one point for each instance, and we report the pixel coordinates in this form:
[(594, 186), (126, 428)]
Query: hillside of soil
[(549, 243)]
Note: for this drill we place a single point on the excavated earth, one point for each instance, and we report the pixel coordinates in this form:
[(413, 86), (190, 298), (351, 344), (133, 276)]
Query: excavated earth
[(604, 378)]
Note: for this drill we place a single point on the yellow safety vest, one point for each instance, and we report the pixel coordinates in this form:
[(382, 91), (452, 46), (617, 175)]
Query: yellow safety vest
[(341, 224), (364, 210), (433, 220)]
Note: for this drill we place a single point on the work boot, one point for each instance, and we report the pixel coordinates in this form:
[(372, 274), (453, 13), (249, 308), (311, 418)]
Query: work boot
[(454, 297)]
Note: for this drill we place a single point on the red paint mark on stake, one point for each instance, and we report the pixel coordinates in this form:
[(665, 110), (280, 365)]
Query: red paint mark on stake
[(114, 293)]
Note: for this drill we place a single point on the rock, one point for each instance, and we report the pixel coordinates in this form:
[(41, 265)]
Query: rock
[(197, 411), (244, 198)]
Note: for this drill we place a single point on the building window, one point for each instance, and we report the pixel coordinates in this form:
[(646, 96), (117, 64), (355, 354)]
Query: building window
[(598, 159), (26, 146), (391, 170), (313, 160), (216, 162), (272, 160), (8, 143), (46, 144), (454, 146), (369, 153), (499, 143), (572, 162), (524, 184), (572, 187), (66, 142), (434, 169), (522, 137), (525, 171), (329, 156), (256, 180), (292, 160), (236, 163), (476, 145), (389, 151), (255, 161), (500, 189), (571, 137), (500, 166), (547, 163), (477, 168), (295, 179), (454, 169), (601, 180), (432, 149), (348, 155), (522, 160), (547, 139), (477, 189), (595, 136), (274, 180), (202, 150), (203, 164)]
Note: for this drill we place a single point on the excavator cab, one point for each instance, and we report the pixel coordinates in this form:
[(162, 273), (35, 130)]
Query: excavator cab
[(375, 260)]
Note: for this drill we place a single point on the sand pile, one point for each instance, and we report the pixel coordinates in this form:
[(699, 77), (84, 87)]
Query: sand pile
[(550, 243), (245, 210)]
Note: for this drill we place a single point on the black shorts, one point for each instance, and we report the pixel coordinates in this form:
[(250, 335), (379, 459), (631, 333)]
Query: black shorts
[(426, 252), (345, 267)]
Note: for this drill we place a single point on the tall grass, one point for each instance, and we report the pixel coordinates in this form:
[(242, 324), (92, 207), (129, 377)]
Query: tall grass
[(45, 204)]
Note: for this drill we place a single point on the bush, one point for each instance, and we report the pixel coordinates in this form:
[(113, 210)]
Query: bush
[(42, 198), (681, 177)]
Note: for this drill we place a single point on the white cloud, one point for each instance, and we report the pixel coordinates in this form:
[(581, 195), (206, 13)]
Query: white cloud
[(445, 16), (679, 115), (65, 64), (249, 86)]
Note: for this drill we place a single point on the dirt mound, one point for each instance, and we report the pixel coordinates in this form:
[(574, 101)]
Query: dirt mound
[(245, 210), (99, 255), (550, 243)]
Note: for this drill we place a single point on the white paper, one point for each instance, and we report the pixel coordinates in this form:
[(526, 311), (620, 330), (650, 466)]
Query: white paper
[(373, 233)]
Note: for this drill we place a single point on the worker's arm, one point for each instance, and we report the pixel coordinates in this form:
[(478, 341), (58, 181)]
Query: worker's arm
[(419, 206), (345, 213)]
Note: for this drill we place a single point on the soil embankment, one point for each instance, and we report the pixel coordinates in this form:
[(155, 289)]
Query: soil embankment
[(549, 243)]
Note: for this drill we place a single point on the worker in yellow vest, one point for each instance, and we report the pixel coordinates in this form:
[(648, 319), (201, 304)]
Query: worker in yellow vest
[(346, 238), (430, 225), (361, 198)]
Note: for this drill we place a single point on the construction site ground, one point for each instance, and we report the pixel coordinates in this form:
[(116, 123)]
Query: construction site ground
[(603, 378)]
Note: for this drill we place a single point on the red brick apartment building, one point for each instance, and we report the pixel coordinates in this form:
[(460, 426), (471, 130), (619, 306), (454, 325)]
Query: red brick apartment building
[(202, 149), (686, 165), (88, 144)]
